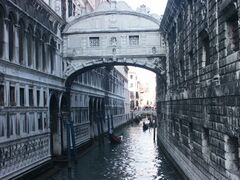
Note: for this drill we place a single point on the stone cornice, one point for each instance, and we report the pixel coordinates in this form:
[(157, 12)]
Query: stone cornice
[(51, 11), (111, 31)]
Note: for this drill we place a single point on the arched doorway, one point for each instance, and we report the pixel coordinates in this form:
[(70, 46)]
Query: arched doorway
[(54, 126)]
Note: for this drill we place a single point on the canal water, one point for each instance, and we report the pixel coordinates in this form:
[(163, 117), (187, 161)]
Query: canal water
[(136, 158)]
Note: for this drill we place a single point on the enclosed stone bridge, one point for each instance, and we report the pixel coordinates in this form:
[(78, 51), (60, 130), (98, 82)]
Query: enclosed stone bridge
[(105, 38)]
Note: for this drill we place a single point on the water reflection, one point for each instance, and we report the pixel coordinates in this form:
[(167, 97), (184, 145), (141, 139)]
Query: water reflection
[(136, 158)]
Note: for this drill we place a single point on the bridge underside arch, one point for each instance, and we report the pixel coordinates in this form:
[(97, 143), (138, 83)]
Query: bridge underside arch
[(156, 65)]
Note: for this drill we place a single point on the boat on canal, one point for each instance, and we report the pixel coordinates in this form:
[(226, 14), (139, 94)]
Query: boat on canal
[(145, 126), (115, 139)]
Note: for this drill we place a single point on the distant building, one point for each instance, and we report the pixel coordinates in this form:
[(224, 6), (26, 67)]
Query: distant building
[(134, 90)]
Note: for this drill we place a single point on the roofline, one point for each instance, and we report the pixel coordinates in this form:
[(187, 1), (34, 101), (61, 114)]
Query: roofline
[(100, 13), (168, 16)]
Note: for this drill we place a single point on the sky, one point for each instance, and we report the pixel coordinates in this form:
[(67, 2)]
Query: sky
[(156, 6)]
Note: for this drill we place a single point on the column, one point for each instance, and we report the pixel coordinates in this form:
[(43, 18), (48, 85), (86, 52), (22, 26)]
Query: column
[(5, 40), (27, 95), (7, 90), (17, 95)]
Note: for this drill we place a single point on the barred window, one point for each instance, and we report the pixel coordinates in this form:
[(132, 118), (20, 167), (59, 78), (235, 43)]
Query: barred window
[(134, 40), (232, 34), (94, 42)]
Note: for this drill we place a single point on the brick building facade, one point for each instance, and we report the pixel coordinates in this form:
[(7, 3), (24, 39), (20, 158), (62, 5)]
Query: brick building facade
[(200, 103)]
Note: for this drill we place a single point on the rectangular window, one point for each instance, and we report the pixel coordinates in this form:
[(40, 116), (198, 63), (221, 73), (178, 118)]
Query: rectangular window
[(45, 98), (94, 41), (17, 126), (31, 103), (2, 126), (38, 97), (134, 40), (40, 122), (232, 34), (22, 97), (24, 120), (10, 121), (12, 96), (31, 122), (206, 52), (70, 8), (1, 95)]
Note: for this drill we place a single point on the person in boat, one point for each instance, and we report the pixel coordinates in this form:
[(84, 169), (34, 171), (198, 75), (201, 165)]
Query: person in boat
[(145, 126), (113, 138)]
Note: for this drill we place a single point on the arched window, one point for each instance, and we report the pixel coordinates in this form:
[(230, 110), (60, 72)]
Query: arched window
[(37, 42), (21, 40), (43, 53), (29, 45), (1, 31), (11, 38), (52, 55)]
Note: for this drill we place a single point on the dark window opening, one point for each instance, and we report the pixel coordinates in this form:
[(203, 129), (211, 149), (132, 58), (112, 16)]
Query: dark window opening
[(232, 156), (29, 45), (11, 38), (1, 95), (232, 34), (205, 142), (21, 42), (134, 40), (22, 97), (38, 98), (12, 96), (70, 8), (94, 41), (40, 122), (31, 103)]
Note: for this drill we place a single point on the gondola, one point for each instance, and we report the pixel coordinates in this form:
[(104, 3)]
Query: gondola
[(145, 126), (115, 139)]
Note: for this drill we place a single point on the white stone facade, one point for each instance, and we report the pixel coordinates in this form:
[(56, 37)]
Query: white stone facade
[(37, 63)]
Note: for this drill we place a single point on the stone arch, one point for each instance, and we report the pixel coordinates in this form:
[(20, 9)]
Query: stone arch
[(3, 10), (104, 13), (53, 120), (158, 67)]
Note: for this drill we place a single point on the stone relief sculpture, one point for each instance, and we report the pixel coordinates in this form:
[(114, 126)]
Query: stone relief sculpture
[(113, 41)]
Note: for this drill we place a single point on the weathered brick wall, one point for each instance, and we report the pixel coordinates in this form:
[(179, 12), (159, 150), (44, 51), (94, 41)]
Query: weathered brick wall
[(199, 113)]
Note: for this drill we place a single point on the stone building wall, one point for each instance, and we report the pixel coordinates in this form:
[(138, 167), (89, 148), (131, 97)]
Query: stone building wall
[(199, 105)]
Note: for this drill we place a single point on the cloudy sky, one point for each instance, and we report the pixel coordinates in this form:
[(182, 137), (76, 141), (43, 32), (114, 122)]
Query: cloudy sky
[(156, 6)]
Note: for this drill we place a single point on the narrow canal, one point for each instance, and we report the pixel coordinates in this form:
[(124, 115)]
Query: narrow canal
[(136, 158)]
